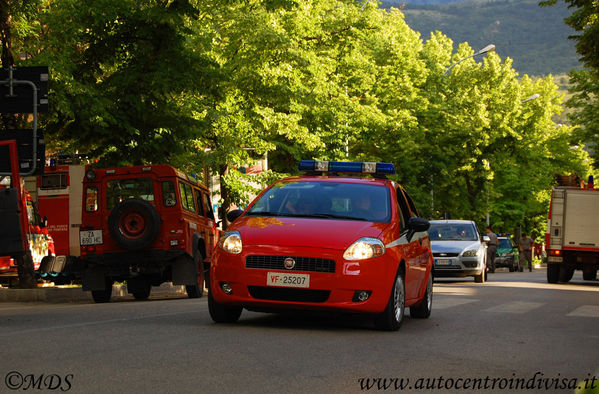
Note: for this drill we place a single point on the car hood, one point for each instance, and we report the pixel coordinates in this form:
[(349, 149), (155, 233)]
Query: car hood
[(287, 231), (454, 246)]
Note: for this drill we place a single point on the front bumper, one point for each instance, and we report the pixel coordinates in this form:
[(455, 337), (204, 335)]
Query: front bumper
[(458, 267), (505, 261), (328, 291)]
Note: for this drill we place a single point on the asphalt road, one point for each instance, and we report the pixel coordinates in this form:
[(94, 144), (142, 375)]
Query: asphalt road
[(515, 331)]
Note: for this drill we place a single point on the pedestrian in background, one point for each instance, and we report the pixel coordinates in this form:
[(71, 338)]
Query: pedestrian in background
[(491, 249), (525, 247)]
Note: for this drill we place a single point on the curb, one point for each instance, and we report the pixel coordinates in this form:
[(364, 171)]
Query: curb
[(76, 294)]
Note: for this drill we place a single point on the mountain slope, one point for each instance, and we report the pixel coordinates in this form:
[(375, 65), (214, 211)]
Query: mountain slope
[(536, 38)]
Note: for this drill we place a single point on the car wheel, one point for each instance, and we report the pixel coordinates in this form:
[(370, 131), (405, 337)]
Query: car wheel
[(221, 313), (552, 273), (423, 310), (103, 296), (390, 319), (134, 224), (197, 290), (482, 277)]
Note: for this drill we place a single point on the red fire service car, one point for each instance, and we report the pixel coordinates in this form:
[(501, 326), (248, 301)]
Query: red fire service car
[(326, 242), (145, 225)]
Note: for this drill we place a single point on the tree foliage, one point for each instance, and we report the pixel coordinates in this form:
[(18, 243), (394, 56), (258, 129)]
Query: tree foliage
[(585, 20), (222, 83)]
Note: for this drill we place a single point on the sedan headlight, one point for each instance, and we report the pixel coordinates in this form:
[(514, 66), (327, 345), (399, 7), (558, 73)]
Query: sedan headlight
[(364, 248), (231, 242), (470, 253)]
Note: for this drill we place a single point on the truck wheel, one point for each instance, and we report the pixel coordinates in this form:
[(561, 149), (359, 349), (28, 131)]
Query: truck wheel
[(221, 313), (142, 295), (565, 274), (134, 224), (552, 273), (103, 296), (589, 274), (390, 319), (423, 310)]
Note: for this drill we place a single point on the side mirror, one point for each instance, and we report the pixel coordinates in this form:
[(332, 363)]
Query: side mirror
[(486, 238), (234, 214), (416, 225)]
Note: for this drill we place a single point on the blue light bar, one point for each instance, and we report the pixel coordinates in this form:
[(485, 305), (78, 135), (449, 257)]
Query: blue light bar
[(347, 166)]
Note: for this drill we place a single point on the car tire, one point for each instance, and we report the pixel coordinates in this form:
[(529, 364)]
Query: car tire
[(553, 273), (134, 224), (423, 310), (221, 313), (103, 296), (197, 290), (482, 277), (391, 318)]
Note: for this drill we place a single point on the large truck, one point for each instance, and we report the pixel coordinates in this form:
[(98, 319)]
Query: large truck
[(59, 196), (24, 238), (572, 238)]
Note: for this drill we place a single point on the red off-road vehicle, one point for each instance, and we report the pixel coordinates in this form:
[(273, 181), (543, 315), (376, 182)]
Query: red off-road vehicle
[(145, 225)]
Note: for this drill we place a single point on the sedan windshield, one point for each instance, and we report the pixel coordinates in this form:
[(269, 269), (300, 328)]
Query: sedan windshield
[(452, 232), (326, 200)]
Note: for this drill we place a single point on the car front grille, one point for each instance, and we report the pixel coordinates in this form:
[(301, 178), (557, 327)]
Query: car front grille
[(287, 294), (308, 264), (447, 267), (445, 254)]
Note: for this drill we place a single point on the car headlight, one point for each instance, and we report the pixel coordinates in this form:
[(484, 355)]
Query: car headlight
[(364, 248), (231, 242), (470, 253)]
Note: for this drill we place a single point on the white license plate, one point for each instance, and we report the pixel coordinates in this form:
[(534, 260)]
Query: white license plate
[(283, 279), (90, 237), (442, 262)]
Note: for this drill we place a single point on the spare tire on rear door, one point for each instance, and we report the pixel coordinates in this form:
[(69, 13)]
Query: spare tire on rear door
[(134, 224)]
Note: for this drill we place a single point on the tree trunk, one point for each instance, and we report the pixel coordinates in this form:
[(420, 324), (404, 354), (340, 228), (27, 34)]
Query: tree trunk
[(26, 271)]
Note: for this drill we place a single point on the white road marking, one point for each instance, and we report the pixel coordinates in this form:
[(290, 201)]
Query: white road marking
[(585, 311), (515, 307), (449, 302)]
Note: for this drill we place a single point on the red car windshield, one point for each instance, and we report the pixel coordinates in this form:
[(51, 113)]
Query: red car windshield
[(327, 200)]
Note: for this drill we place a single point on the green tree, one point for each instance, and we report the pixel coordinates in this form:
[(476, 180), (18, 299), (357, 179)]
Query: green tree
[(120, 71), (585, 20), (18, 28)]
